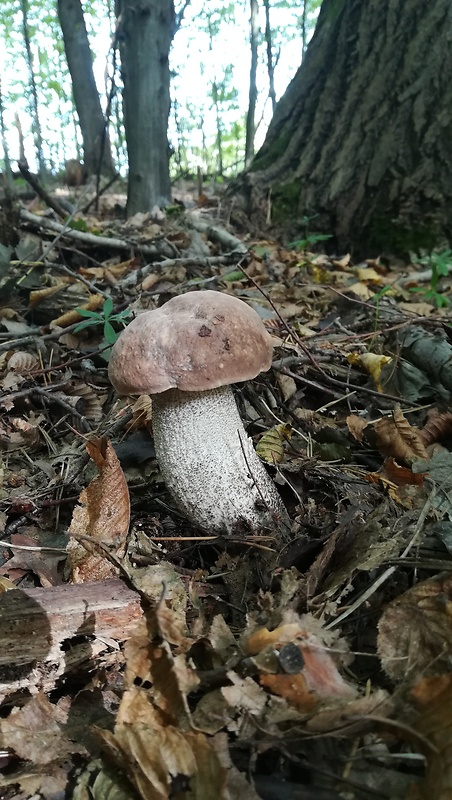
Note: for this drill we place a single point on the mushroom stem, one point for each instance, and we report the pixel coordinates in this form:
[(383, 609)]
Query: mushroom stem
[(210, 466)]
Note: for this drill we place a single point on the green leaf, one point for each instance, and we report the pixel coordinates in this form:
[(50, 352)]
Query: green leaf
[(233, 276), (91, 314), (107, 307), (88, 323), (110, 334)]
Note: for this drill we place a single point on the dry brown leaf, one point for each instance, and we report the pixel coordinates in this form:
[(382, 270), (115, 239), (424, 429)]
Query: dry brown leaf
[(433, 696), (400, 476), (397, 438), (71, 317), (22, 362), (415, 634), (162, 761), (286, 384), (356, 426), (149, 661), (367, 274), (103, 515), (36, 732), (350, 715), (39, 295), (437, 427)]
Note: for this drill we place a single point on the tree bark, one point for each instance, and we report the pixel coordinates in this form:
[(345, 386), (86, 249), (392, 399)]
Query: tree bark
[(270, 61), (96, 142), (252, 96), (147, 28), (46, 633), (361, 138), (36, 126)]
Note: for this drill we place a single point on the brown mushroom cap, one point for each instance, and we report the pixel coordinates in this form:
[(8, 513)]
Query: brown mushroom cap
[(194, 342)]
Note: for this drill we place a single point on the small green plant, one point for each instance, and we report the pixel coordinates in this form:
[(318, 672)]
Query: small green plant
[(440, 265), (103, 317), (309, 238)]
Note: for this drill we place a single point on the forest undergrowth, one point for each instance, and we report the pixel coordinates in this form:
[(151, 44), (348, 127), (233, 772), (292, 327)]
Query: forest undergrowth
[(141, 657)]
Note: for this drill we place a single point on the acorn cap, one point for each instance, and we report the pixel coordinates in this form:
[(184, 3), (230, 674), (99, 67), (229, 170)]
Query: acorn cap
[(194, 342)]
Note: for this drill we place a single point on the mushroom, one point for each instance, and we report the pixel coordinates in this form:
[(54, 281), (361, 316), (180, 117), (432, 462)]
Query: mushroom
[(185, 355)]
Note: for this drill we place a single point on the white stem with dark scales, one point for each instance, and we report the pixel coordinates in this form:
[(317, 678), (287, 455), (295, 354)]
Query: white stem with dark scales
[(210, 466)]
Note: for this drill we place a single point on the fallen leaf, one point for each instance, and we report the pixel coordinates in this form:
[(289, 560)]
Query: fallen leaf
[(356, 426), (437, 427), (414, 632), (433, 698), (36, 732), (373, 363), (103, 515), (397, 438)]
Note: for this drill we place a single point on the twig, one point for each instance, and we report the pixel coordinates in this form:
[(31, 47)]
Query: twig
[(388, 572), (98, 194), (40, 191)]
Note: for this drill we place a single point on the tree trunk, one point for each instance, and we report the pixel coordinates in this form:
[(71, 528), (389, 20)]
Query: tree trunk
[(36, 126), (270, 61), (96, 143), (361, 139), (250, 117), (147, 28)]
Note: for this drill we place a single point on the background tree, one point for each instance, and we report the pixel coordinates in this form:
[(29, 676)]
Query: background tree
[(360, 140), (146, 30), (96, 142), (36, 126), (252, 95)]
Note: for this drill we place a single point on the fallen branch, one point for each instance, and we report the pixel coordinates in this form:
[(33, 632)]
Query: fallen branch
[(40, 191), (46, 633), (89, 239)]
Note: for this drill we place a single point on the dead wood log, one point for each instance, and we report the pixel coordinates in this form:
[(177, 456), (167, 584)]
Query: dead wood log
[(46, 633)]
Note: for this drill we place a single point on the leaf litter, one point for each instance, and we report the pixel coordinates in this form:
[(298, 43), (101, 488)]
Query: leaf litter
[(170, 664)]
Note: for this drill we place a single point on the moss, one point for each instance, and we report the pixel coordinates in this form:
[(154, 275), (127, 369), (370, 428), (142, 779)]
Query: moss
[(270, 153), (385, 234), (285, 200)]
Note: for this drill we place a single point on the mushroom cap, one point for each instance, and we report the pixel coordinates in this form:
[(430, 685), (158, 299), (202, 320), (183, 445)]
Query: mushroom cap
[(194, 342)]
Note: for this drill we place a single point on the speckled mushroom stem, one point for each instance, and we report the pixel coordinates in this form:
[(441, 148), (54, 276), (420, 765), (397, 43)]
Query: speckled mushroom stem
[(210, 466)]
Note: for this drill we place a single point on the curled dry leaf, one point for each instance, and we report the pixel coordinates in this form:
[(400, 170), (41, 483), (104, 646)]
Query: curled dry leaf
[(89, 402), (397, 438), (437, 427), (415, 634), (160, 760), (22, 362), (71, 317), (356, 426), (103, 515)]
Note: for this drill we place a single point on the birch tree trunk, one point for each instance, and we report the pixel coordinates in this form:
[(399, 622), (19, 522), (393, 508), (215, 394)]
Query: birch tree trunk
[(361, 139)]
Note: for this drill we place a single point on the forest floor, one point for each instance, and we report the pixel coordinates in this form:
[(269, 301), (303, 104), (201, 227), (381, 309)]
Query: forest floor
[(141, 658)]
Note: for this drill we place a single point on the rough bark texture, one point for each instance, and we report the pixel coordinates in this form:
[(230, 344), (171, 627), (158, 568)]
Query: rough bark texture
[(146, 31), (86, 96), (361, 137)]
